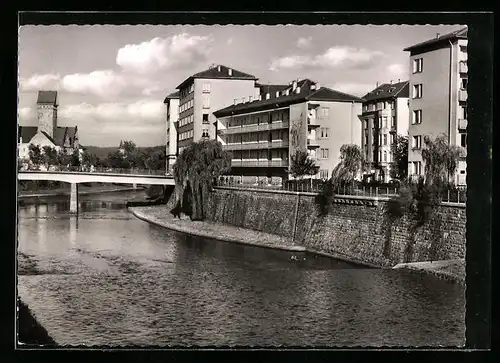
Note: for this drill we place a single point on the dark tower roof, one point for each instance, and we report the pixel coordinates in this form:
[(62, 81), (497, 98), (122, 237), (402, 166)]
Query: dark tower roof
[(47, 98)]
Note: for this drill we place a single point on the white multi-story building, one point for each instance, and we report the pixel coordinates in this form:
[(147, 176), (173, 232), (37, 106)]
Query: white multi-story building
[(172, 104)]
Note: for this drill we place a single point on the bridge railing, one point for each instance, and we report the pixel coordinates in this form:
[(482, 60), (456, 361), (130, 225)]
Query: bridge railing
[(97, 170)]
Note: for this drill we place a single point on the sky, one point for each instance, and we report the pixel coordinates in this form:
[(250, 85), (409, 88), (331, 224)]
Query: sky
[(112, 80)]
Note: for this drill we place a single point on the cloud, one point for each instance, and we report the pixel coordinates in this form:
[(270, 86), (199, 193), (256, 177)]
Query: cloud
[(123, 114), (40, 81), (397, 69), (100, 83), (26, 113), (355, 89), (229, 41), (175, 52), (304, 42), (333, 57)]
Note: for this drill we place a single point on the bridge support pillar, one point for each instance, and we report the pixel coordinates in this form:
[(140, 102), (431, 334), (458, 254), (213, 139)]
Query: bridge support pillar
[(73, 201), (134, 185)]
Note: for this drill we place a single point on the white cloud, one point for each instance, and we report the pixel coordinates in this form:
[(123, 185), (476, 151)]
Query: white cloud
[(398, 69), (25, 112), (355, 89), (142, 112), (229, 41), (178, 51), (333, 57), (40, 82), (99, 83), (304, 42)]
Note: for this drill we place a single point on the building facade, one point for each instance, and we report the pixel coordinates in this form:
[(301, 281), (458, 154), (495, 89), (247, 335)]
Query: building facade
[(172, 105), (205, 92), (385, 115), (438, 97), (262, 134), (47, 133)]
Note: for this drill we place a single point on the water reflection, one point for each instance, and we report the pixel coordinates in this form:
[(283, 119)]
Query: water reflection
[(134, 283)]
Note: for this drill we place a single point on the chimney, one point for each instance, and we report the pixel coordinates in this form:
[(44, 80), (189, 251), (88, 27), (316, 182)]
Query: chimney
[(277, 93), (268, 96), (243, 99), (294, 86), (250, 98), (317, 86), (297, 90), (390, 81), (235, 101), (377, 85), (437, 35), (399, 80), (313, 87), (218, 68), (260, 97), (230, 71)]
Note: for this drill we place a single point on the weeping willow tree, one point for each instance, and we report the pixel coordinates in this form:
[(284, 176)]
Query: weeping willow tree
[(194, 172), (351, 163)]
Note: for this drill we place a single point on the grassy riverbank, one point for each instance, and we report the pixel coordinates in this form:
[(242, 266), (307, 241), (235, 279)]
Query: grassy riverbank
[(450, 270), (161, 216), (30, 331)]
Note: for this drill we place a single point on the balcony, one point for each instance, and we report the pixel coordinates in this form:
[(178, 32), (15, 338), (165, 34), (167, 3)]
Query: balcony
[(462, 95), (311, 122), (463, 67), (256, 145), (259, 163), (462, 124), (312, 143), (276, 125)]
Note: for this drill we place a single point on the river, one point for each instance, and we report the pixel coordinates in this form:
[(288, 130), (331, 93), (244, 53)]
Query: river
[(107, 278)]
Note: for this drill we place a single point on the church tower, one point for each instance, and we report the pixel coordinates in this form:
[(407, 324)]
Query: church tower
[(47, 112)]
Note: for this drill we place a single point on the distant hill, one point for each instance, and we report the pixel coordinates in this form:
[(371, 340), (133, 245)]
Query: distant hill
[(102, 152)]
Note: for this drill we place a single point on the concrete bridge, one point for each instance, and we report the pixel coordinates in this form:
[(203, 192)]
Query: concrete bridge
[(100, 176)]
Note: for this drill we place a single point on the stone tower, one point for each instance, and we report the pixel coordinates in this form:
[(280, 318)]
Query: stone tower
[(47, 112)]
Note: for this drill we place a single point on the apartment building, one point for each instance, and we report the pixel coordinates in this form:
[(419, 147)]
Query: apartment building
[(262, 134), (385, 115), (206, 91), (172, 105), (438, 96)]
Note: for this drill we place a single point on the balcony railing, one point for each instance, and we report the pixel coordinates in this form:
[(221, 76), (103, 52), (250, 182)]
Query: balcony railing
[(463, 67), (97, 170), (254, 128), (259, 163), (256, 145), (462, 95), (462, 124), (312, 143), (311, 122)]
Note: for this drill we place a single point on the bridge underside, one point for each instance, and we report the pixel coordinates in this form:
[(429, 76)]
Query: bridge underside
[(97, 178)]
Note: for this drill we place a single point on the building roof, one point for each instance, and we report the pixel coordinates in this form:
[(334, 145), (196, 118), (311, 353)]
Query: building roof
[(47, 97), (388, 90), (26, 133), (457, 34), (173, 95), (271, 89), (218, 72), (60, 134), (306, 93)]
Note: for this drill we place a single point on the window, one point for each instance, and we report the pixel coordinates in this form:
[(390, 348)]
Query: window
[(385, 156), (205, 118), (323, 112), (385, 139), (324, 132), (418, 65), (204, 133), (417, 91), (323, 174), (463, 48), (365, 108), (392, 138), (392, 105), (206, 101), (384, 121), (417, 168), (463, 83), (325, 153), (417, 142), (463, 140), (464, 112), (417, 117), (380, 139), (366, 139), (206, 87), (393, 121)]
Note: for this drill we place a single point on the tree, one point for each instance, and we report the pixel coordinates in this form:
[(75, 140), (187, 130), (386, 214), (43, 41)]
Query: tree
[(89, 159), (35, 154), (302, 164), (350, 165), (75, 158), (399, 150), (440, 160), (63, 159), (49, 155), (195, 171), (115, 160), (155, 160)]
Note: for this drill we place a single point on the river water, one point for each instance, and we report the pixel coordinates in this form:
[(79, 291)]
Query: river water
[(107, 278)]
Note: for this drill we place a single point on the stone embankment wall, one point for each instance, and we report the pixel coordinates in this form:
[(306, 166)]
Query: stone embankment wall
[(356, 228)]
